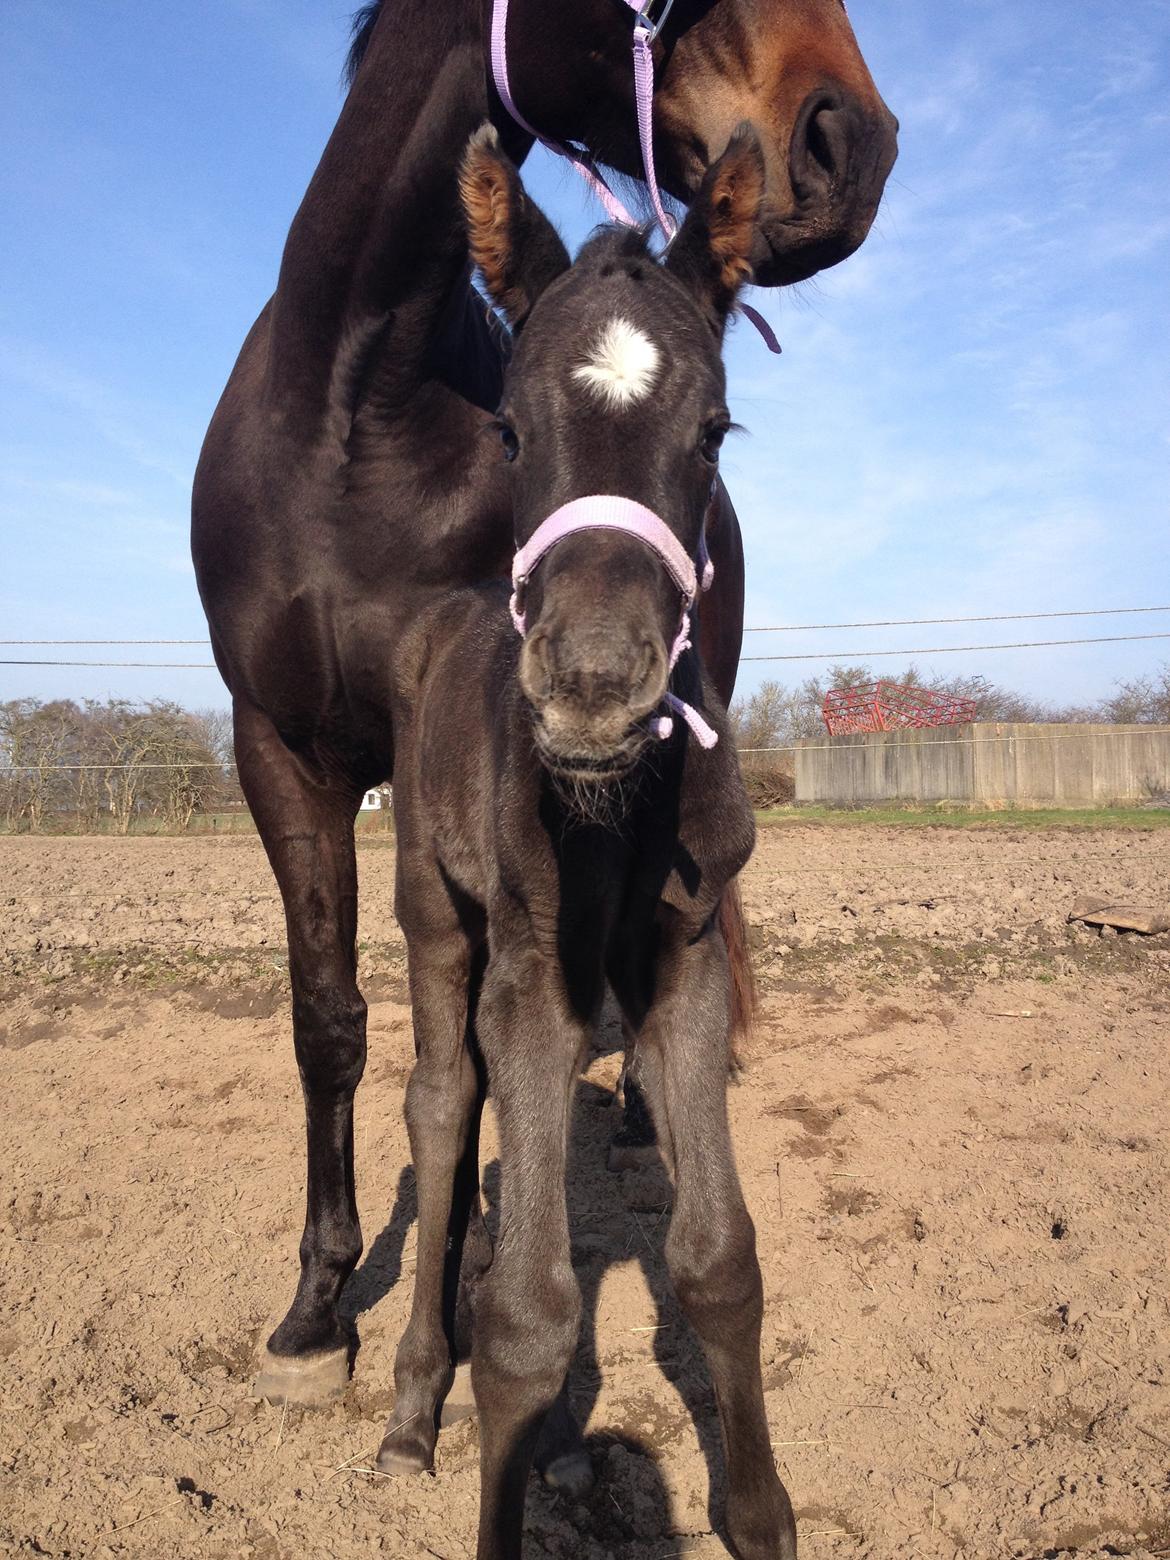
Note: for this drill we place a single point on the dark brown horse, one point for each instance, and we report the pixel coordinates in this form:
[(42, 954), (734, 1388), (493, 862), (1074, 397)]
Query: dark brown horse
[(518, 905), (345, 479)]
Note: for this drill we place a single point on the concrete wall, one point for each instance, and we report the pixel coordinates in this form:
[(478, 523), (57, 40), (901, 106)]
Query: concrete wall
[(991, 762)]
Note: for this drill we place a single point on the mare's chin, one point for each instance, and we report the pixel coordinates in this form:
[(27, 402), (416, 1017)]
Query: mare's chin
[(792, 249)]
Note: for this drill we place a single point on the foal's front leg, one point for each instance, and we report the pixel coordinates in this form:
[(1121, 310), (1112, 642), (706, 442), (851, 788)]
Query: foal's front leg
[(529, 1304), (711, 1247), (442, 1114)]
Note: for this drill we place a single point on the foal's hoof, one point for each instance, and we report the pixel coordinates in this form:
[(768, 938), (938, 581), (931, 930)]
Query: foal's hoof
[(460, 1400), (570, 1475), (310, 1380), (407, 1449)]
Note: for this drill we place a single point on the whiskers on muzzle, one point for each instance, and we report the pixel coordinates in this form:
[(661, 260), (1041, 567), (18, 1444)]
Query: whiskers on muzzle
[(594, 782), (592, 795)]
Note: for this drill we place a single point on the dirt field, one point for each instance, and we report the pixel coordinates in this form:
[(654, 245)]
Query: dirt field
[(953, 1133)]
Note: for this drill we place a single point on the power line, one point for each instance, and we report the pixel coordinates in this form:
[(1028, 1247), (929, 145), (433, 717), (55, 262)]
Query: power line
[(1023, 644), (823, 655), (44, 769), (202, 641), (190, 666), (775, 628), (994, 617)]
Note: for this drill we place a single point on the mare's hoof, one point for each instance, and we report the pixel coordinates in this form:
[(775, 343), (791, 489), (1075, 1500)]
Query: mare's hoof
[(404, 1452), (460, 1400), (633, 1156), (570, 1475), (309, 1380)]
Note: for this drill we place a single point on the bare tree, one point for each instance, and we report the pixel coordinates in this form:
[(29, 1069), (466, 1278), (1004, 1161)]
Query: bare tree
[(776, 716), (215, 726), (122, 739), (38, 742), (1141, 700), (185, 774)]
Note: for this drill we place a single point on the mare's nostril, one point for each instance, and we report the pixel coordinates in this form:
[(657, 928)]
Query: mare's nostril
[(824, 141), (819, 153)]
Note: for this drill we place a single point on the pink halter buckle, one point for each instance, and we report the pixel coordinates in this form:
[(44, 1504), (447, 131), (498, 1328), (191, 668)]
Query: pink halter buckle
[(611, 512)]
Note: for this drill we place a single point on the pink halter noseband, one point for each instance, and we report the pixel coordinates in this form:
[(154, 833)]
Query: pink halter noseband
[(645, 32), (611, 512)]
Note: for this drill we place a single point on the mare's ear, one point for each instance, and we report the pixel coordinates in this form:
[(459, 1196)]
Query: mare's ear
[(711, 255), (515, 246)]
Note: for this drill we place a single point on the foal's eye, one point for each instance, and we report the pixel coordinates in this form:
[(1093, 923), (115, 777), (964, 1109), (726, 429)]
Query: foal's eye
[(712, 441), (509, 441)]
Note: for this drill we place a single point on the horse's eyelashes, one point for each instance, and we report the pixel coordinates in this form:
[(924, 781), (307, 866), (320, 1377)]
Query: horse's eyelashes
[(712, 441)]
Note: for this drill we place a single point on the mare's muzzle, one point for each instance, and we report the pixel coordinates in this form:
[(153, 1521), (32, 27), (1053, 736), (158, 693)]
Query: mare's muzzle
[(840, 155)]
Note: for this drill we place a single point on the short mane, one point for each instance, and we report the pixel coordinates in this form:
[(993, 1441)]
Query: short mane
[(614, 242), (365, 19)]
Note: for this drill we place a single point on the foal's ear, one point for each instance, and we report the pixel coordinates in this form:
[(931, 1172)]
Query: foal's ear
[(712, 253), (515, 246)]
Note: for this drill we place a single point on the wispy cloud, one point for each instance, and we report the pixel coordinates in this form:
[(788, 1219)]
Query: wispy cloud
[(130, 426)]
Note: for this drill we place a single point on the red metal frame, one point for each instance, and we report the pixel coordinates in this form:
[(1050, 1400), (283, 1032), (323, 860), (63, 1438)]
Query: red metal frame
[(887, 706)]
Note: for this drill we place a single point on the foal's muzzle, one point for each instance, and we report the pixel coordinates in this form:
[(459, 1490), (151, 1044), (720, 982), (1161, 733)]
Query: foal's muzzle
[(593, 679), (591, 690)]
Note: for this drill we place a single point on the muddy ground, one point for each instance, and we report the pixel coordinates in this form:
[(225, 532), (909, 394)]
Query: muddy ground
[(953, 1135)]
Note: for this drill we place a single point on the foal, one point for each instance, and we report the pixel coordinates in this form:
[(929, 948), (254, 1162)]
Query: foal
[(567, 816)]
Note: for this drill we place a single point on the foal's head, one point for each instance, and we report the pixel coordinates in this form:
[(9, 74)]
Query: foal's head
[(616, 387)]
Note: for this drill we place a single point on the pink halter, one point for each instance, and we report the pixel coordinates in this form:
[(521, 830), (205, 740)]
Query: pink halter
[(611, 512), (645, 32)]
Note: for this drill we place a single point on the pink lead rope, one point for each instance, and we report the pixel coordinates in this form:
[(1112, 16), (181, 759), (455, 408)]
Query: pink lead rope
[(644, 35), (583, 164), (611, 512)]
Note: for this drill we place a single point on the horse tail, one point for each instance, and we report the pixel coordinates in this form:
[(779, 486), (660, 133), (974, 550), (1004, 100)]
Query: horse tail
[(739, 963)]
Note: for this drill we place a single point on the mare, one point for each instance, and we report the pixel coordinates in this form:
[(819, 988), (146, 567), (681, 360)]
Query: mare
[(345, 481), (554, 835)]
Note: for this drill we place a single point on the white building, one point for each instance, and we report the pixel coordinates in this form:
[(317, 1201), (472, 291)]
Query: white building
[(377, 799)]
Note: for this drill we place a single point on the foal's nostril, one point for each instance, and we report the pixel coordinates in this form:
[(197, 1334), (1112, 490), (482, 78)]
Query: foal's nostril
[(648, 678), (647, 668), (536, 676)]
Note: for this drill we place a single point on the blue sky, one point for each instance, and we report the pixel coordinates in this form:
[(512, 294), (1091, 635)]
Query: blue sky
[(970, 415)]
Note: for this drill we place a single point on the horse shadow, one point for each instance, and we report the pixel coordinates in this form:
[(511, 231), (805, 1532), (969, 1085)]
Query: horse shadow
[(614, 1218), (381, 1268)]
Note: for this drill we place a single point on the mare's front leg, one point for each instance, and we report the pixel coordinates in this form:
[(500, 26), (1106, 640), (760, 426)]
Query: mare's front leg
[(443, 1101), (711, 1247), (307, 830), (529, 1303)]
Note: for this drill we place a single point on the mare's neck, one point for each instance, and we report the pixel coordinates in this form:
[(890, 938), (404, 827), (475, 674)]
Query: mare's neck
[(377, 249)]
